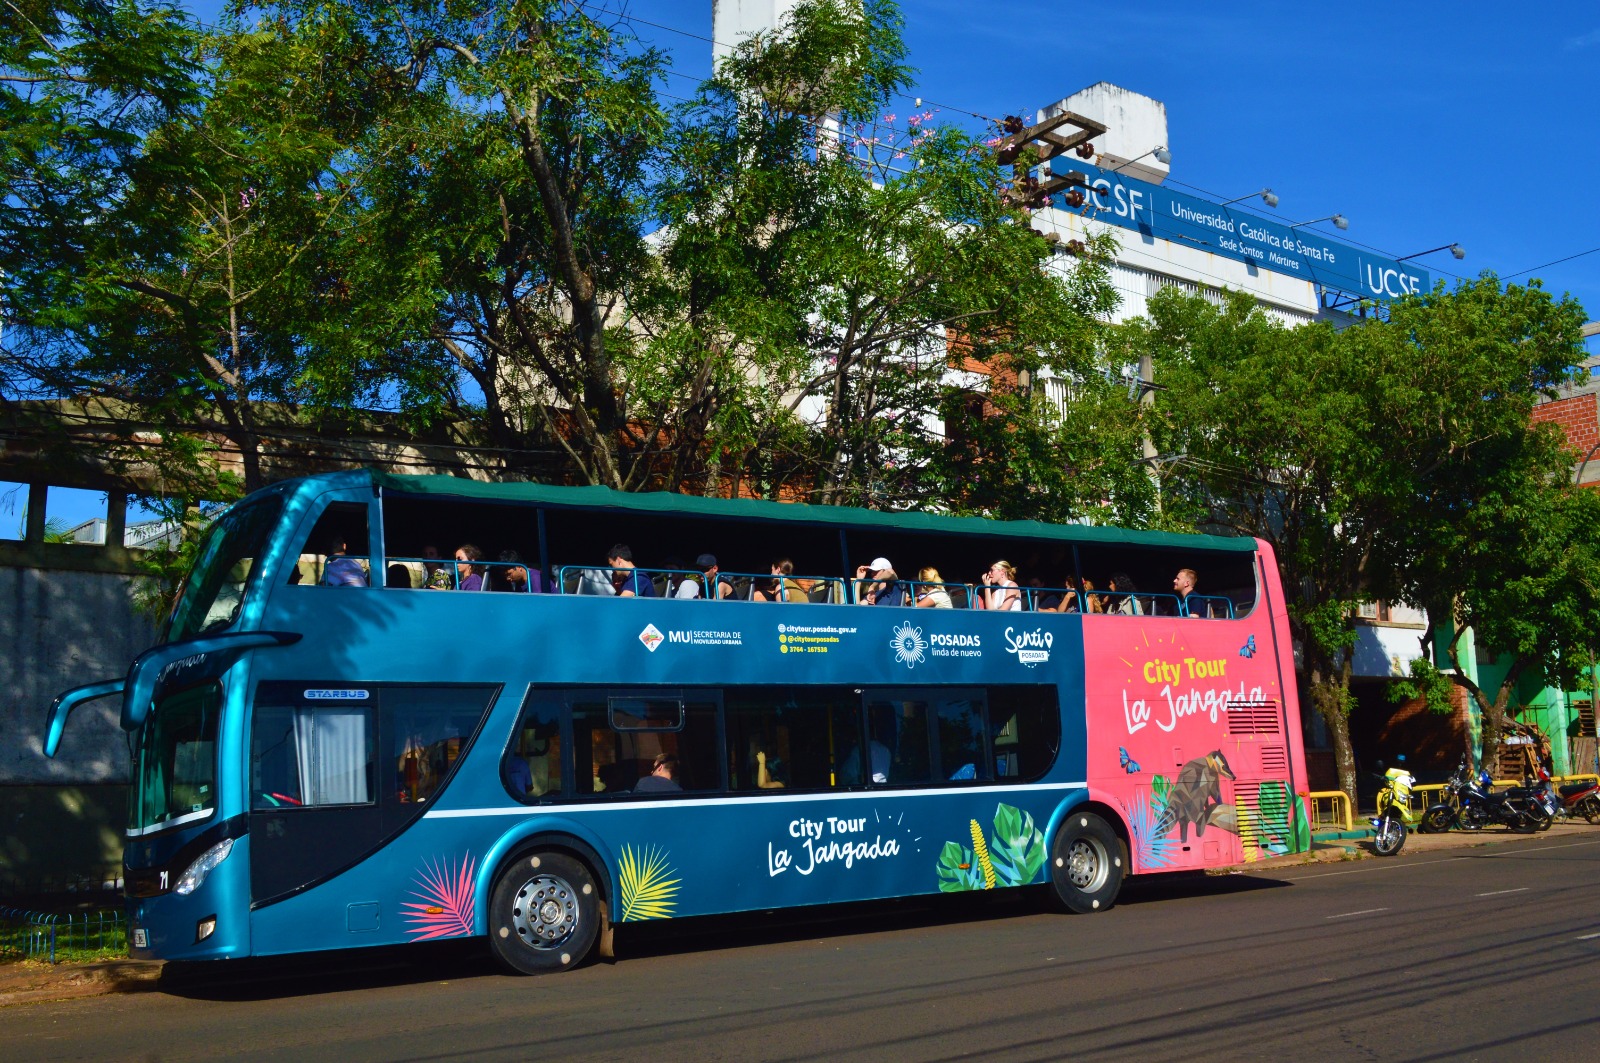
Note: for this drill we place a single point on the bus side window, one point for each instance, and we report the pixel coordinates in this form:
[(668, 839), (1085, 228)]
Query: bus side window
[(532, 766), (960, 737), (611, 753), (898, 731), (305, 757), (1025, 731), (425, 730), (810, 738)]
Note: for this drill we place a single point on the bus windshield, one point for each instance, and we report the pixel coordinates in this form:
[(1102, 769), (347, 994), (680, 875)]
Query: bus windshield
[(215, 588), (175, 762)]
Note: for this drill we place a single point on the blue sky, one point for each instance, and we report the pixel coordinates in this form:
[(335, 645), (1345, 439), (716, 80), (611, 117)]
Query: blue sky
[(1422, 123)]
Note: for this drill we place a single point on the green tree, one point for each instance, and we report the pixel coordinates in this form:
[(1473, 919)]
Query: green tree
[(81, 85), (1527, 587), (1495, 539), (852, 262), (1267, 432), (1360, 454)]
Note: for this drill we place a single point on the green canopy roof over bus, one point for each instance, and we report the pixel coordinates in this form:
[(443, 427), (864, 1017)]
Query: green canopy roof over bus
[(677, 505)]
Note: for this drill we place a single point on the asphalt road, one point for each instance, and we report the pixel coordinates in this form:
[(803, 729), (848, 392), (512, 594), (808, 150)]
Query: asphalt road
[(1486, 953)]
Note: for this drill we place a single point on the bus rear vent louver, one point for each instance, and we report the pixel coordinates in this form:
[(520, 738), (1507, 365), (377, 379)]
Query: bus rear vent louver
[(1253, 718)]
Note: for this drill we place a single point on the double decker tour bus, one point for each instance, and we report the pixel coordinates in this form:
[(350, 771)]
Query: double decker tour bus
[(337, 743)]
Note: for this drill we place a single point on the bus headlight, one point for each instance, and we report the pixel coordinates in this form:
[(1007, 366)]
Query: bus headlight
[(196, 873)]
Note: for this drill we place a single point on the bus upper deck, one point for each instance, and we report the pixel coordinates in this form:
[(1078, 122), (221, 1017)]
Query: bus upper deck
[(417, 533)]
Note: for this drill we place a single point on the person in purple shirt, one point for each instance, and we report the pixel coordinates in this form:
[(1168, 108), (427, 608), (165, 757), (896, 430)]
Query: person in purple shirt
[(515, 575), (629, 581), (468, 576), (339, 570)]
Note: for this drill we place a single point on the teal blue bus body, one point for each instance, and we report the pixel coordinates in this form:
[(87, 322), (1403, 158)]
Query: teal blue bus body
[(393, 856)]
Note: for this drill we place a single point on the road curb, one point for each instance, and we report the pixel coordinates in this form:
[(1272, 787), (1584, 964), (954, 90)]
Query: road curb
[(34, 983)]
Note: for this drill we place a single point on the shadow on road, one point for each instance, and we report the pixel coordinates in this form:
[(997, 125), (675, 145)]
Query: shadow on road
[(277, 977), (455, 961), (1147, 888)]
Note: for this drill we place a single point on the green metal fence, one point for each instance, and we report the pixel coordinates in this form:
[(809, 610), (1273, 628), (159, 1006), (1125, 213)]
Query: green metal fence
[(48, 936)]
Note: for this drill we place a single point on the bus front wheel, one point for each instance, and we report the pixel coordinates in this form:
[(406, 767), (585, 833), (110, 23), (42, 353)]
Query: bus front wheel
[(1086, 864), (544, 913)]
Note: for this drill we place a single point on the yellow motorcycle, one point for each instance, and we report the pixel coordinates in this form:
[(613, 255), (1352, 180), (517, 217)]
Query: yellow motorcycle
[(1395, 812)]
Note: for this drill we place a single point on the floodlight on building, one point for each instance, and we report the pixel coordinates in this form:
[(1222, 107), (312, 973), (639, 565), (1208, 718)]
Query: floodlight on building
[(1455, 249), (1339, 221), (1163, 156), (1268, 196)]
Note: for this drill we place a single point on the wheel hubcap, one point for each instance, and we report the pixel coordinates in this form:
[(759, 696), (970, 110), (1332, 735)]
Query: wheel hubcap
[(1086, 865), (545, 912)]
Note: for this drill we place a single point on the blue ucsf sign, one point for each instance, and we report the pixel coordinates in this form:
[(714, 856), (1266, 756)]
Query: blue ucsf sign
[(1158, 212)]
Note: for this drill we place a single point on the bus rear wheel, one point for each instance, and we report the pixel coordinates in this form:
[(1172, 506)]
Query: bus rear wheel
[(544, 913), (1086, 864)]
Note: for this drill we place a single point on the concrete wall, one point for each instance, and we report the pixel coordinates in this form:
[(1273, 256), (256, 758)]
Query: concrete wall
[(61, 820), (60, 629)]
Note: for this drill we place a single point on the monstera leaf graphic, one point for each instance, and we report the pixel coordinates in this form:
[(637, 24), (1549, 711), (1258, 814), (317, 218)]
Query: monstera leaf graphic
[(1016, 848), (958, 869), (1281, 821), (1152, 849)]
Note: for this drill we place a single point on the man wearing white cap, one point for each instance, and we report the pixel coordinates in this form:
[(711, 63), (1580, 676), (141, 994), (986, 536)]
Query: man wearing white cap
[(884, 586)]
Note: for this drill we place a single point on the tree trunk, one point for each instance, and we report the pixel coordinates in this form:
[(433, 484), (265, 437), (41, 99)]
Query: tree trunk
[(1329, 693)]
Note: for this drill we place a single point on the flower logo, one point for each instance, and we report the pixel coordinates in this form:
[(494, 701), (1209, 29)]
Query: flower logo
[(908, 645)]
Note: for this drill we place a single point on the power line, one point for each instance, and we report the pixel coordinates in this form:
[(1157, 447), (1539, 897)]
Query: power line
[(1557, 262)]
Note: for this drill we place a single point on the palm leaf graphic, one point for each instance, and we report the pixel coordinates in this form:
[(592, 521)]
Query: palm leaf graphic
[(448, 895), (645, 889)]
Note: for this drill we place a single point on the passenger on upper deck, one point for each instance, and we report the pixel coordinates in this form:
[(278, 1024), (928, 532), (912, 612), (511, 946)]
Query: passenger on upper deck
[(339, 570), (883, 586), (1000, 588), (438, 576), (470, 578), (930, 592), (707, 563), (1183, 585), (1044, 599), (515, 575), (680, 583), (629, 581), (1124, 603), (781, 587)]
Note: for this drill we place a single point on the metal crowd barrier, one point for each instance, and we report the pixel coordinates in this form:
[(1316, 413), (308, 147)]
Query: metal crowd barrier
[(38, 935), (1338, 801)]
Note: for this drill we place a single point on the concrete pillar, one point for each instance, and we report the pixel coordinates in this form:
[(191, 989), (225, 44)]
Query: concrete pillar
[(37, 499), (116, 519)]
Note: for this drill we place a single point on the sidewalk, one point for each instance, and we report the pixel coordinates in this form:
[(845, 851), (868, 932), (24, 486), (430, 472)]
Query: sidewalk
[(1337, 845), (29, 982)]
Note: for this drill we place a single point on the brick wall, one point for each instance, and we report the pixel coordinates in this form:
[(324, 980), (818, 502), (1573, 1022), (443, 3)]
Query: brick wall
[(1576, 416)]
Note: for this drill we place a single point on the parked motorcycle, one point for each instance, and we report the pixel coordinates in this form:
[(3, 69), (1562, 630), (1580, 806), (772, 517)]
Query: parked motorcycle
[(1581, 799), (1394, 811), (1545, 795), (1470, 803)]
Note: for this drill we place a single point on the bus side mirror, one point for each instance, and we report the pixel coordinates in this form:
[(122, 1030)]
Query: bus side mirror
[(62, 707)]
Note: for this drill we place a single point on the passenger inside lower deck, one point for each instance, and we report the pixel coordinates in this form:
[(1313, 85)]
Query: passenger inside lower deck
[(663, 777)]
